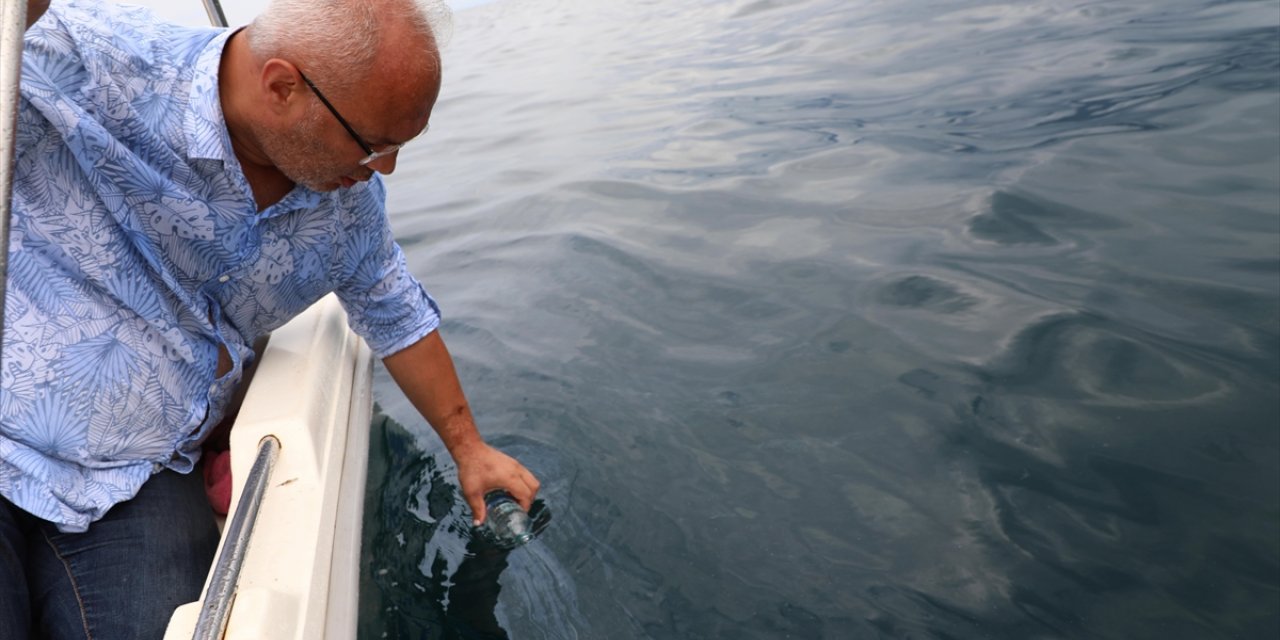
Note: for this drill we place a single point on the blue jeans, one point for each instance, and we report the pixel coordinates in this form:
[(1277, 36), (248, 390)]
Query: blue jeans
[(121, 579)]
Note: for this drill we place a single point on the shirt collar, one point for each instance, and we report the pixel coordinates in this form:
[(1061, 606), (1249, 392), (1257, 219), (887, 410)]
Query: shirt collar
[(204, 125)]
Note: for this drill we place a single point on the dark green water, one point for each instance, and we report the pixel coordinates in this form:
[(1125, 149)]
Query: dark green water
[(850, 319)]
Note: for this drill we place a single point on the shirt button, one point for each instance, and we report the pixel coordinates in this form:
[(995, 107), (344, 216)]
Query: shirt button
[(213, 388), (223, 278)]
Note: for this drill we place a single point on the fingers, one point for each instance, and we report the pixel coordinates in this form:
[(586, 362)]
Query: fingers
[(476, 502), (489, 469), (521, 486), (530, 486)]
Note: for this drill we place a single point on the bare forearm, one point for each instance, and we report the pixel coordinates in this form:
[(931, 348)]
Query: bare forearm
[(425, 372)]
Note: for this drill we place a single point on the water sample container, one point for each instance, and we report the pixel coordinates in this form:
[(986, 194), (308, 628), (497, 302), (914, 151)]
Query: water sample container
[(505, 524)]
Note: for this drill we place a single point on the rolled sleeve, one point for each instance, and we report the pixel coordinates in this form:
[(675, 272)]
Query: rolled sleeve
[(386, 305)]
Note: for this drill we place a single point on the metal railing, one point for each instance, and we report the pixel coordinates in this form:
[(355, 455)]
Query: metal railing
[(216, 17), (215, 613)]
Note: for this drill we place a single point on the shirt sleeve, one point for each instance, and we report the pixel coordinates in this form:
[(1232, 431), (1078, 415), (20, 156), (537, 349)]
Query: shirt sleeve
[(386, 305)]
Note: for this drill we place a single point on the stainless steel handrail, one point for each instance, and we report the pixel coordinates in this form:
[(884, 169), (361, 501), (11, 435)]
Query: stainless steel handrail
[(13, 25), (216, 17), (215, 613)]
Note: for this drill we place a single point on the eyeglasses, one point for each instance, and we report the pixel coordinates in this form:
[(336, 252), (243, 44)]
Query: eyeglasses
[(364, 146)]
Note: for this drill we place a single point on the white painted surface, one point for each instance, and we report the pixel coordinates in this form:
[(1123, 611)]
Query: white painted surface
[(301, 574)]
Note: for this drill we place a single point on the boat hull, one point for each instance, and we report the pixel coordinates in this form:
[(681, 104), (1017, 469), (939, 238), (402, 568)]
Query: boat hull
[(300, 575)]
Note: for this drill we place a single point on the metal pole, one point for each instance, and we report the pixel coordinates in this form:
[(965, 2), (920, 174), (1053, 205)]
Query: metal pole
[(216, 611), (13, 22), (216, 16)]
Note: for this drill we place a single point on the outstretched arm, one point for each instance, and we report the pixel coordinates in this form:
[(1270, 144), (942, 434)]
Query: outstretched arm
[(424, 371)]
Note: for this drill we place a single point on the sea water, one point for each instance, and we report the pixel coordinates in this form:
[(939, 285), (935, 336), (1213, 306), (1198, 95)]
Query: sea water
[(849, 319)]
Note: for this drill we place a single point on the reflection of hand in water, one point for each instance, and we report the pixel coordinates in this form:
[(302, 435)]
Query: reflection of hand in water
[(473, 594)]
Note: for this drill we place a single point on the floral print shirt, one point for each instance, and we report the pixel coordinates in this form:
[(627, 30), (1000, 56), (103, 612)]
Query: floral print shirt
[(137, 250)]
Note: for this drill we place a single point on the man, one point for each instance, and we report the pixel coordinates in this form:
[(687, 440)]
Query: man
[(178, 193)]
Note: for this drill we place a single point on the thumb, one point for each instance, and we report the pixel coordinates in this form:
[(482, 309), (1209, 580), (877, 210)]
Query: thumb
[(478, 512)]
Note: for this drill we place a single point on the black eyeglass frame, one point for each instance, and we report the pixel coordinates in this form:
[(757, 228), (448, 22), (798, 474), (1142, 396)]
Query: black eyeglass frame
[(371, 155)]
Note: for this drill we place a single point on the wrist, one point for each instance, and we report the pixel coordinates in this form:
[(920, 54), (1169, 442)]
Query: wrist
[(464, 443)]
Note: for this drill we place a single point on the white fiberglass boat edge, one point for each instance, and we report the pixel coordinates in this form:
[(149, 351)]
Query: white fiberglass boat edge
[(300, 573)]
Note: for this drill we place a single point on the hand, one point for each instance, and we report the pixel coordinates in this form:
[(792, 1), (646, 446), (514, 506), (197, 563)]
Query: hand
[(482, 469), (424, 370)]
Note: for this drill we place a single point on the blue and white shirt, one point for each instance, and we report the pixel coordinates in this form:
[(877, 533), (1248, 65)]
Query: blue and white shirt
[(137, 249)]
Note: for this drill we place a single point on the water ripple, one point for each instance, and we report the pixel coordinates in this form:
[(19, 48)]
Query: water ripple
[(843, 320)]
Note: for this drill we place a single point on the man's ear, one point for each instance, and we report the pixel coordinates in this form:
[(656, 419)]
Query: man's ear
[(281, 86)]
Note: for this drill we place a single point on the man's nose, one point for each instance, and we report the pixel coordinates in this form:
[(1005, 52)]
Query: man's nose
[(386, 165)]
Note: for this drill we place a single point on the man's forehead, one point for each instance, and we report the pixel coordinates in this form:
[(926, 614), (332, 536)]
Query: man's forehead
[(407, 68), (397, 116)]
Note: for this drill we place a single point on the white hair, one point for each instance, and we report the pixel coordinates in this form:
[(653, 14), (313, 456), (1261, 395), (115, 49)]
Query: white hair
[(337, 39)]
